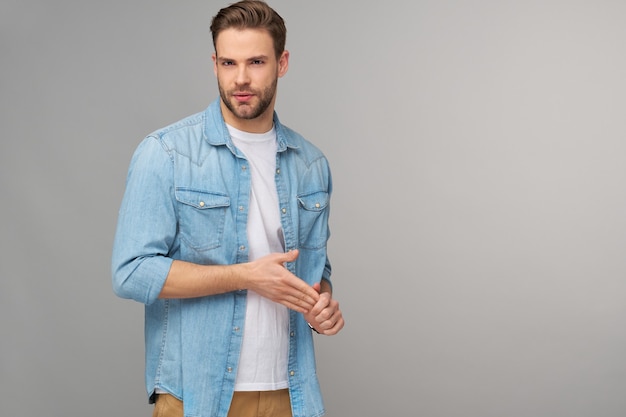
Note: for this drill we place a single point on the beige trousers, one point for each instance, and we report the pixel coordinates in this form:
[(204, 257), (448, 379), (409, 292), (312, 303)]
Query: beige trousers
[(244, 404)]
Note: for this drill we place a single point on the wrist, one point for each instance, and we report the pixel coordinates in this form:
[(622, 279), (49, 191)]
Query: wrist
[(239, 276), (312, 328)]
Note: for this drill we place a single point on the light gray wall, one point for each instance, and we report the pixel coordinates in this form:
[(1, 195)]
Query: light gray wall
[(478, 219)]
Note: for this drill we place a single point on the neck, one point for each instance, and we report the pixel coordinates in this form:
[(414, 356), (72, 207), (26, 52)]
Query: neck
[(260, 124)]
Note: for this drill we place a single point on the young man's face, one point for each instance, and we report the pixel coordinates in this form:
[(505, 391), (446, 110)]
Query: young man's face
[(247, 74)]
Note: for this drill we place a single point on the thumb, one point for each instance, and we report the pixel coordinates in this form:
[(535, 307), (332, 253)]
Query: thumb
[(290, 256), (317, 287)]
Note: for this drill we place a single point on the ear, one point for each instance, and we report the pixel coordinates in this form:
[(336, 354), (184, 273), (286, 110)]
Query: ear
[(283, 63), (214, 58)]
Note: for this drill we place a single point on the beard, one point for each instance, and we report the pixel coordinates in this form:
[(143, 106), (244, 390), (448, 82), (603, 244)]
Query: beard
[(249, 111)]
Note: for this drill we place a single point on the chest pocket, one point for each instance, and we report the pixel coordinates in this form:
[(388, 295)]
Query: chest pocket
[(313, 222), (201, 217)]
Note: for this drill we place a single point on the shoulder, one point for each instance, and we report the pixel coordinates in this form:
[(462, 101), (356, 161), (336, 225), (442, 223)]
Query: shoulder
[(304, 148), (183, 131)]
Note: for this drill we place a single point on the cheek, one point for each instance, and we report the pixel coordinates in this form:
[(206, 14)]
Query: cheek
[(222, 79)]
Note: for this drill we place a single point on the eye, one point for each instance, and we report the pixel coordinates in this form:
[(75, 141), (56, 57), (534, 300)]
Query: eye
[(227, 63), (257, 62)]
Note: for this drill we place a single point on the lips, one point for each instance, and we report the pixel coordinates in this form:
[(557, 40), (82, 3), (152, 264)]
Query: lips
[(243, 97)]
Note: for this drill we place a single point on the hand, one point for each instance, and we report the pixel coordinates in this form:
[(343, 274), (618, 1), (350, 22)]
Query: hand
[(325, 316), (269, 278)]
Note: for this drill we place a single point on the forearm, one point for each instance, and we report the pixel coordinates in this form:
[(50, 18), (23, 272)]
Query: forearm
[(266, 276), (188, 280)]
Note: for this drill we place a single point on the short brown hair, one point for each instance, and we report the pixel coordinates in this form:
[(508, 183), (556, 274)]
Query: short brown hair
[(251, 14)]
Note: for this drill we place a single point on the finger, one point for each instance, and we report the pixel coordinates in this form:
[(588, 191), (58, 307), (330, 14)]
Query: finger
[(336, 327), (304, 291), (302, 296), (325, 316), (294, 307), (306, 299), (323, 302), (332, 325), (329, 314), (297, 304), (289, 256), (310, 294)]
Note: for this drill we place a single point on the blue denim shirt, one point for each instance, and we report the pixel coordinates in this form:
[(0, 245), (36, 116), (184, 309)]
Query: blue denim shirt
[(187, 194)]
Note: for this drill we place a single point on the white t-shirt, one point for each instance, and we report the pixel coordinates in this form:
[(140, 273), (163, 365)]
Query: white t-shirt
[(265, 349)]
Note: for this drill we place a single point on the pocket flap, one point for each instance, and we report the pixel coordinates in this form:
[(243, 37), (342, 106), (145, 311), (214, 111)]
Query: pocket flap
[(202, 199), (316, 201)]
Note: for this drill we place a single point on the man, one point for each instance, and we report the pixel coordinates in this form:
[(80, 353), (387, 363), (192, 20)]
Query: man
[(222, 235)]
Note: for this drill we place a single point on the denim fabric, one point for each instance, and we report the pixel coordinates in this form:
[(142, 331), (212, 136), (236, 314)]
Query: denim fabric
[(186, 198)]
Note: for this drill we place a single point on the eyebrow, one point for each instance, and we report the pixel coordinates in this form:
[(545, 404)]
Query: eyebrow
[(253, 58)]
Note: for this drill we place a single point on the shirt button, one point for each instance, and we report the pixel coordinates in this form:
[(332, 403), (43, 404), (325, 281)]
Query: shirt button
[(242, 247), (201, 204), (317, 205), (240, 208), (229, 369), (292, 373), (292, 334), (236, 329), (284, 210), (278, 171), (243, 168)]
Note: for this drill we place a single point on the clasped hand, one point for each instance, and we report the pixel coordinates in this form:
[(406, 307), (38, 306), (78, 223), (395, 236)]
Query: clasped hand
[(271, 279)]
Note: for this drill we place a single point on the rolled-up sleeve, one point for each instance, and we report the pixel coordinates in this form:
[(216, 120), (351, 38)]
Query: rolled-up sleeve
[(146, 225)]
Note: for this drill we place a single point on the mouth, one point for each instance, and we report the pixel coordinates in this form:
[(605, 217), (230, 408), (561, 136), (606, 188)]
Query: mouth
[(243, 97)]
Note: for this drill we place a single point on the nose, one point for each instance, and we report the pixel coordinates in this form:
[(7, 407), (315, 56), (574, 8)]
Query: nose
[(242, 75)]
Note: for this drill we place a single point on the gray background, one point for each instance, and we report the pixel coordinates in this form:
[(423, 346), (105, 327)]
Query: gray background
[(478, 219)]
